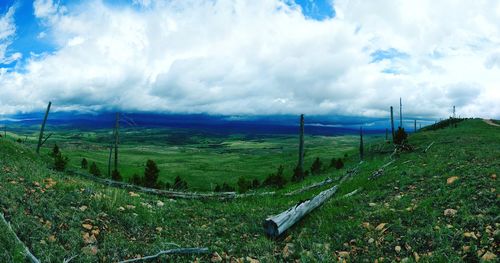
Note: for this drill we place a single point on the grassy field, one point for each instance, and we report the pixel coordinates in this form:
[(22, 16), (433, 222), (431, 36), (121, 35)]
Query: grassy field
[(203, 160), (403, 215)]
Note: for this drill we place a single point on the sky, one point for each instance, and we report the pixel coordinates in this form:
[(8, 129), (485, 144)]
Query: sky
[(253, 57)]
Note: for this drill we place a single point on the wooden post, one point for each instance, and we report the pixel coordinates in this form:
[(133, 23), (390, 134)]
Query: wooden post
[(392, 123), (109, 159), (40, 137), (361, 147), (400, 113), (300, 165), (117, 127), (274, 226)]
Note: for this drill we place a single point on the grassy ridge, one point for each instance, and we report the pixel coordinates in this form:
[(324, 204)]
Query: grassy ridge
[(398, 216)]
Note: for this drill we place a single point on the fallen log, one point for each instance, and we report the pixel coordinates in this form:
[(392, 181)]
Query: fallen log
[(27, 252), (195, 250), (276, 225), (380, 171), (166, 193), (309, 187)]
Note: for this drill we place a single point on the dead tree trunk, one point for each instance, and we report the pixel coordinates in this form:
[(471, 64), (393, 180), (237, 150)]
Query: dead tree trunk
[(117, 127), (109, 160), (300, 165), (361, 146), (400, 113), (276, 225), (392, 123), (40, 137)]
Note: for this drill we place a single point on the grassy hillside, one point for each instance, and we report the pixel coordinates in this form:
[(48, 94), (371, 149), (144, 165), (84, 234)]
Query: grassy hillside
[(437, 206)]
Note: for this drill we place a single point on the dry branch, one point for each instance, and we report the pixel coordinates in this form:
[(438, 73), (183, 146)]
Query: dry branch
[(309, 187), (380, 171), (351, 193), (428, 147), (195, 250), (276, 225), (27, 252)]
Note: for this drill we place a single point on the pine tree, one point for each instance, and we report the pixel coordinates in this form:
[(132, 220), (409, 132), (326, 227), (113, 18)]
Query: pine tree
[(115, 175), (85, 164), (316, 166), (94, 170), (151, 174)]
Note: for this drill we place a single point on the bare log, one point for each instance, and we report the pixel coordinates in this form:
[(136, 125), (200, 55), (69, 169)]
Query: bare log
[(194, 250), (309, 187), (40, 137), (380, 171), (276, 225), (351, 193), (27, 252), (166, 193)]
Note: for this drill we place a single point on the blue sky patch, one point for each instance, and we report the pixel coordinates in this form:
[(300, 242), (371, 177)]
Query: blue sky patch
[(317, 9), (388, 54)]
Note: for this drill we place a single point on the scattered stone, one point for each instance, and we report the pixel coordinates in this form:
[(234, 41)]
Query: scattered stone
[(489, 256), (343, 254), (470, 235), (87, 226), (451, 179), (494, 176), (450, 212), (83, 208), (216, 257), (90, 250), (160, 203), (133, 194), (252, 260), (287, 250), (380, 226), (416, 256), (397, 249), (371, 240)]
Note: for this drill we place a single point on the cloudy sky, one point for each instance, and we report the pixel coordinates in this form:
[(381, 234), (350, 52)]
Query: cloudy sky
[(341, 57)]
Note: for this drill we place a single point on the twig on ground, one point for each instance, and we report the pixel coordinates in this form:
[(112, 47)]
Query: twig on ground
[(27, 252), (428, 147), (195, 250)]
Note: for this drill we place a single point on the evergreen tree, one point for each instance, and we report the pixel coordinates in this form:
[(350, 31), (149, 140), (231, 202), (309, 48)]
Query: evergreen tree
[(85, 164), (135, 179), (243, 185), (276, 180), (316, 166), (60, 162), (401, 136), (94, 170), (55, 151), (151, 174), (180, 184), (115, 175)]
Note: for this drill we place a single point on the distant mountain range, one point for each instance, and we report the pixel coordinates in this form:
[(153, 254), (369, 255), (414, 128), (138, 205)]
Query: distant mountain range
[(276, 124)]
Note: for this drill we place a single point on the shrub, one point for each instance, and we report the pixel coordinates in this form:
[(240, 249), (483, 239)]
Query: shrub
[(244, 185), (224, 188), (115, 175), (151, 174), (316, 166), (94, 170), (255, 183), (19, 140), (337, 163), (400, 137), (85, 164), (276, 180), (298, 174), (180, 184), (55, 150), (135, 179), (60, 162)]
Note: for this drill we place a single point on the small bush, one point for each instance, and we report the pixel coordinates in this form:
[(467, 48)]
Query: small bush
[(298, 174), (135, 179), (85, 164), (255, 183), (316, 166), (94, 170), (400, 137), (115, 175), (337, 163), (276, 180), (55, 150), (19, 140), (60, 162), (180, 184), (244, 184)]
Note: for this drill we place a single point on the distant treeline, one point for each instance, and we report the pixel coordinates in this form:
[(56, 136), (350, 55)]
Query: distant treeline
[(446, 123)]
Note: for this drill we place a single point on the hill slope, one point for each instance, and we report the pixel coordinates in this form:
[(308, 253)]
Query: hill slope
[(436, 206)]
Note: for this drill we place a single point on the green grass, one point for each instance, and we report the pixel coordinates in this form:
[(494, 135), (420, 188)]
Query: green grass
[(410, 198)]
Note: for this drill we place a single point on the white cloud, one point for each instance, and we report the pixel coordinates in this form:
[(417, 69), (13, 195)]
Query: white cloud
[(7, 33), (264, 57)]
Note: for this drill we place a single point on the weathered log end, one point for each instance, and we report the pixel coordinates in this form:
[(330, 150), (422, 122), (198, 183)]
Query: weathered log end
[(271, 228)]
